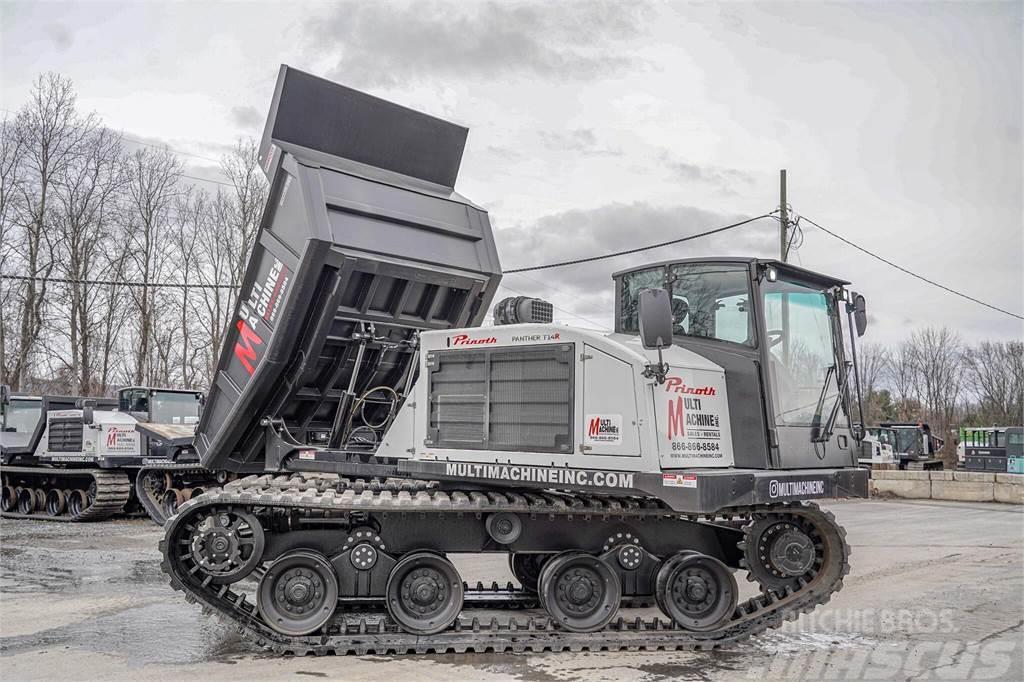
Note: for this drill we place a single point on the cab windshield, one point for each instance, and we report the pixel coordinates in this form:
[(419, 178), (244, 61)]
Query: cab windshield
[(709, 300), (175, 408), (21, 416)]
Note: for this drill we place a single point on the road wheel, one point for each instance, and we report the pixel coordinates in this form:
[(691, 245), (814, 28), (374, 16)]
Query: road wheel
[(424, 593), (26, 501), (298, 593), (10, 498), (173, 499), (55, 502), (78, 502), (579, 591), (696, 591)]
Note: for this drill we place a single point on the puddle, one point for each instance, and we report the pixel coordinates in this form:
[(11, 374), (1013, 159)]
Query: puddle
[(159, 633)]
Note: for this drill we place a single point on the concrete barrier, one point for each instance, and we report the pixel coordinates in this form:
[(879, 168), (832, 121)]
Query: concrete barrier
[(961, 486)]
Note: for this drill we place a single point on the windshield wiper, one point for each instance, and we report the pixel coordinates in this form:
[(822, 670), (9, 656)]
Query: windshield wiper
[(819, 434)]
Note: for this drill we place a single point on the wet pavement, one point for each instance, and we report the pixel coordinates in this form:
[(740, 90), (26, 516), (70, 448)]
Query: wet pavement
[(936, 592)]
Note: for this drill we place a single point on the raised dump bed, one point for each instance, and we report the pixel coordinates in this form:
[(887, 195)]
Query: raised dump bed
[(345, 273)]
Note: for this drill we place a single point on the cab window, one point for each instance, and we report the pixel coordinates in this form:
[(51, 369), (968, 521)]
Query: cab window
[(709, 300)]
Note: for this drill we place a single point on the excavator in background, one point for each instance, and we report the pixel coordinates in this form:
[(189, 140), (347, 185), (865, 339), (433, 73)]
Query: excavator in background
[(377, 428), (77, 459)]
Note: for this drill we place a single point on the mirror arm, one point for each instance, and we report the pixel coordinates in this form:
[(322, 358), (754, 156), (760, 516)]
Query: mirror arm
[(858, 434), (657, 372)]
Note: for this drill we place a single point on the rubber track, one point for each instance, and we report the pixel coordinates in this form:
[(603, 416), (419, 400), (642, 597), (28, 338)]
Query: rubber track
[(377, 634), (113, 488), (154, 508)]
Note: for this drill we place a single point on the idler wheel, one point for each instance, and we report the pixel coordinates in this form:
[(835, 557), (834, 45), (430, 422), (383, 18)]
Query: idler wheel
[(9, 499), (227, 544), (527, 567), (298, 593), (78, 502), (579, 591), (696, 591), (55, 502), (424, 593)]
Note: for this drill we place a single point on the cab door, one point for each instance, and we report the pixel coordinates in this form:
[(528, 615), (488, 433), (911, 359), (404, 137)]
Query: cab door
[(609, 425)]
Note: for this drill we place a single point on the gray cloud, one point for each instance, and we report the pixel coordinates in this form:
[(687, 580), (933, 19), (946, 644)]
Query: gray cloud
[(388, 44), (725, 179), (247, 117), (586, 290), (581, 140), (60, 35)]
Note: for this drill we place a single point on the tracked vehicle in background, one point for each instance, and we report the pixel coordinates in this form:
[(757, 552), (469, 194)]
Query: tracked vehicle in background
[(76, 459), (379, 429)]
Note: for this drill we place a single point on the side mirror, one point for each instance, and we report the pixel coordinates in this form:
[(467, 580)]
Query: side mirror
[(655, 319), (860, 314)]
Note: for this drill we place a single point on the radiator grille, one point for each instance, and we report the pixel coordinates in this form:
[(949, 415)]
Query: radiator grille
[(65, 435), (501, 399)]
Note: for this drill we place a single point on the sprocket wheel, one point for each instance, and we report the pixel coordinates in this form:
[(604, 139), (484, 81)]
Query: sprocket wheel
[(782, 552)]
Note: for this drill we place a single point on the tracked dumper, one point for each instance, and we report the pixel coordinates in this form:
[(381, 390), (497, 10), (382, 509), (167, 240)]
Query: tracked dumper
[(378, 429), (38, 432), (77, 459)]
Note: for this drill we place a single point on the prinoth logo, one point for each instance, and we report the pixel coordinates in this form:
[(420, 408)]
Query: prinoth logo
[(601, 426), (677, 385), (466, 340), (686, 411), (778, 488), (245, 347)]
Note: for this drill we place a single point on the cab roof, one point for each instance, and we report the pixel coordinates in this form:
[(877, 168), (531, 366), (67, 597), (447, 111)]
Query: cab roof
[(784, 268)]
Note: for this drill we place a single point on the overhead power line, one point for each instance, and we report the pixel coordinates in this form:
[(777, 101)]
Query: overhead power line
[(912, 274), (670, 242), (118, 283)]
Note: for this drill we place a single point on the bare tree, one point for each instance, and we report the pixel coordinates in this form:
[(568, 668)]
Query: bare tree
[(996, 372), (152, 187), (192, 222), (242, 167), (873, 365), (51, 134), (87, 198), (939, 359), (902, 376), (11, 151)]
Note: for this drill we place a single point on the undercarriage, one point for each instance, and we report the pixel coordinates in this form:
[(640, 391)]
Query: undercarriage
[(61, 494), (318, 564)]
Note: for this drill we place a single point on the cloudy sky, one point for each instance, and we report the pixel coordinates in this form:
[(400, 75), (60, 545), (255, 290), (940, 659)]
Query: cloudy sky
[(597, 127)]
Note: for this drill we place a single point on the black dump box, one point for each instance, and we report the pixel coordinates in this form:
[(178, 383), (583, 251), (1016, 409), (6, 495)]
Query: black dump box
[(362, 244)]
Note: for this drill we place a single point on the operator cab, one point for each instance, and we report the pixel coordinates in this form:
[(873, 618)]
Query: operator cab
[(161, 405), (777, 331), (19, 413)]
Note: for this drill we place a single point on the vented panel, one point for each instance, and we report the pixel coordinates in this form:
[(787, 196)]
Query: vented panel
[(65, 435), (502, 399)]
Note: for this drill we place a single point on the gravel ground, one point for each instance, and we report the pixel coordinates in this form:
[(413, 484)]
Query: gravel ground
[(936, 592)]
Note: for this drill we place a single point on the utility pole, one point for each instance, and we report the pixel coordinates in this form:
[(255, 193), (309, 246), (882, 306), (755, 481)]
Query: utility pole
[(783, 217), (783, 239)]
